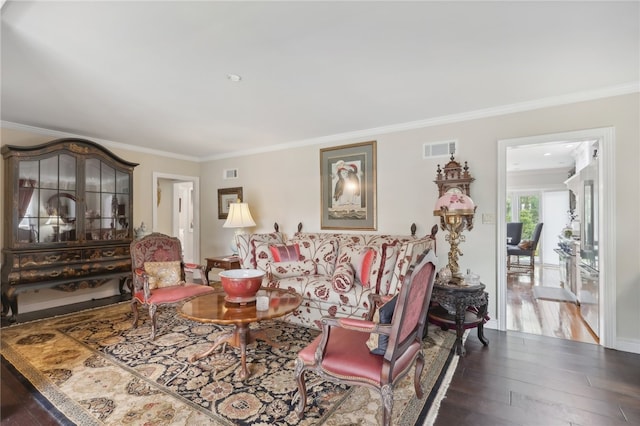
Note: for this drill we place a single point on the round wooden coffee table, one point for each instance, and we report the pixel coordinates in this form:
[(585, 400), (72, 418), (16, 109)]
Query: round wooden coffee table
[(212, 308)]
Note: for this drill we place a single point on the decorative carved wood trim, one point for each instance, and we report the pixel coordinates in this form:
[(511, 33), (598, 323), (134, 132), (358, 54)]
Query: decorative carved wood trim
[(453, 175)]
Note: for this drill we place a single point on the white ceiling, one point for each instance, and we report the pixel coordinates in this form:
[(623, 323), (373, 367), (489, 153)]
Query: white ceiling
[(153, 75)]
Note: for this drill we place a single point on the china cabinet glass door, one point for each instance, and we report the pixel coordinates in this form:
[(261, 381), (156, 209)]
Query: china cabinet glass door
[(47, 196), (107, 201)]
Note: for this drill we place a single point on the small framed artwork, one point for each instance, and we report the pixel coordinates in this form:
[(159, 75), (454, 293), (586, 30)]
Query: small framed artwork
[(226, 196), (348, 186)]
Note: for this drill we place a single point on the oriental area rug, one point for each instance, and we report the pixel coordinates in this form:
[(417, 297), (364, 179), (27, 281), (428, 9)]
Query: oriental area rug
[(93, 368)]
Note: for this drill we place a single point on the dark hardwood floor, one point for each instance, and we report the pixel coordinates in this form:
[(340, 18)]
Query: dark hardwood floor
[(545, 370), (526, 379), (519, 379)]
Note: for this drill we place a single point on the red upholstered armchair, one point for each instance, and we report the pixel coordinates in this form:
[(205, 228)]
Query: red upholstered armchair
[(341, 353), (159, 275)]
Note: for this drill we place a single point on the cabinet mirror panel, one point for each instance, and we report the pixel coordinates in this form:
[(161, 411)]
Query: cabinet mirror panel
[(67, 173), (108, 176), (92, 174), (49, 172), (122, 182)]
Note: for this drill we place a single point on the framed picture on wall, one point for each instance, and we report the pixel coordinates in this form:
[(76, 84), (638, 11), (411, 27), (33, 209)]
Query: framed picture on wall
[(226, 196), (348, 186)]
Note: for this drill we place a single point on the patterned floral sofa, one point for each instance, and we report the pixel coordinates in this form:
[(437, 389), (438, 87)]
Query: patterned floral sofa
[(334, 272)]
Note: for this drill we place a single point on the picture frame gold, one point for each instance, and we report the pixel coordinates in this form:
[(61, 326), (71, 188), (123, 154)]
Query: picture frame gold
[(348, 187), (226, 196)]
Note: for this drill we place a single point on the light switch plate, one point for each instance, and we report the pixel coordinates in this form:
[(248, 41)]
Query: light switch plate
[(488, 218)]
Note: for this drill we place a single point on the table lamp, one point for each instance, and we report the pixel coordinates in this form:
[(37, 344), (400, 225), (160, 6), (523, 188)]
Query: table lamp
[(239, 217), (456, 211)]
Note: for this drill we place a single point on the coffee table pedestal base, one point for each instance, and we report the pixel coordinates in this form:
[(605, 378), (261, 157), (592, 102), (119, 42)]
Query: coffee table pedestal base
[(239, 337)]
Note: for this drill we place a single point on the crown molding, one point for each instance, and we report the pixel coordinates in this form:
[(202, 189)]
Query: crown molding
[(619, 90)]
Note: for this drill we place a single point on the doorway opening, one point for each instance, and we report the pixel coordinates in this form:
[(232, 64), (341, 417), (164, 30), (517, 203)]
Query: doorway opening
[(176, 211), (547, 265)]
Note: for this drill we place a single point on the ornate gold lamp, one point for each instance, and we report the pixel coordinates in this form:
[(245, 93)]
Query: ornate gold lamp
[(455, 208), (456, 211)]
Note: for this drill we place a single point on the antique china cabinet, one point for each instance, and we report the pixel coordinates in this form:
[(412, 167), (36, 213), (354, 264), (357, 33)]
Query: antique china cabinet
[(68, 218)]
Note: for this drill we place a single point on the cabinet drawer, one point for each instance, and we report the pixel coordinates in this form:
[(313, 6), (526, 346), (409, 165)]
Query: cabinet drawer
[(71, 272), (26, 260), (106, 252)]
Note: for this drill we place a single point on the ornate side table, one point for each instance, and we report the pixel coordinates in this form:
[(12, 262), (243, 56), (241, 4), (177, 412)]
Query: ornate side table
[(459, 307), (222, 262)]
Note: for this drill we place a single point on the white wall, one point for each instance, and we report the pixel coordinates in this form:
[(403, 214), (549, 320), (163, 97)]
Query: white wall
[(284, 186)]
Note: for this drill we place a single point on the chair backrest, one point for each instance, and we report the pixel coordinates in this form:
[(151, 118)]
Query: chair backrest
[(535, 237), (514, 233), (155, 247), (409, 316)]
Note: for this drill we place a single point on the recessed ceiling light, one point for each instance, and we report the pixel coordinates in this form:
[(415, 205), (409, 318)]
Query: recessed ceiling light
[(546, 154), (234, 77)]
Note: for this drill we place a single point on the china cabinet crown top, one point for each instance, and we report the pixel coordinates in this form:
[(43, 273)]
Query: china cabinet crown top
[(73, 145)]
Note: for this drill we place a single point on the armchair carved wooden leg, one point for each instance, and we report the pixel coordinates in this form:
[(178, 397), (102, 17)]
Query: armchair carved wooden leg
[(302, 388), (418, 373), (134, 310), (387, 402), (152, 315)]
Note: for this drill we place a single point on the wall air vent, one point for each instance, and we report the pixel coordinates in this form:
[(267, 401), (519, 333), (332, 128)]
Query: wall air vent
[(439, 149), (230, 174)]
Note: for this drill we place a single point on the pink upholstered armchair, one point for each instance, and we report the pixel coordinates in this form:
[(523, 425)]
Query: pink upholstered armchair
[(341, 354), (159, 275)]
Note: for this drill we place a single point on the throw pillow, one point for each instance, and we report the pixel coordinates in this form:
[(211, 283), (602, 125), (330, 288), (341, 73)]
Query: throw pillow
[(377, 343), (525, 244), (163, 274), (343, 278), (292, 269), (362, 264), (260, 248), (285, 253)]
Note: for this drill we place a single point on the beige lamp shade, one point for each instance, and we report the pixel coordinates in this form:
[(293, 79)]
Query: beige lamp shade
[(239, 216)]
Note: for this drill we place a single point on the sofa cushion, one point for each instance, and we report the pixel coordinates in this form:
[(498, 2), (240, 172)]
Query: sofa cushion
[(285, 253), (163, 274), (320, 248), (320, 300), (292, 269), (343, 278)]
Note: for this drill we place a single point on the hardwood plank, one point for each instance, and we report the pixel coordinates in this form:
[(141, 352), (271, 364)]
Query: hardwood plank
[(524, 379), (18, 407)]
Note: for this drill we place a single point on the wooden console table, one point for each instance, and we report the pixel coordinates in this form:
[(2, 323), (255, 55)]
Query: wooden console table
[(222, 262), (459, 307)]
